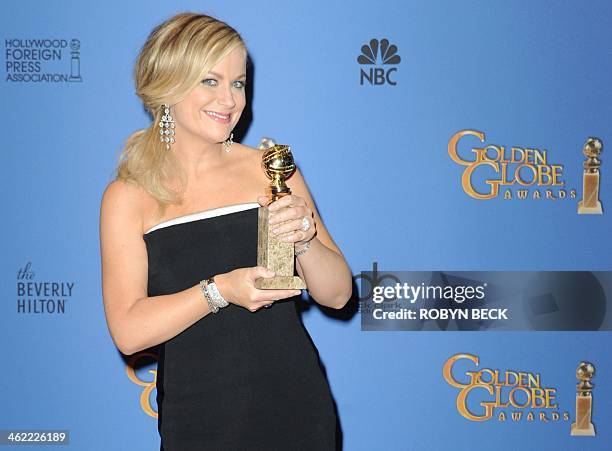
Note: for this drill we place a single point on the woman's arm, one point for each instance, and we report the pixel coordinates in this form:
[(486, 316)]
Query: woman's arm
[(322, 266), (136, 321)]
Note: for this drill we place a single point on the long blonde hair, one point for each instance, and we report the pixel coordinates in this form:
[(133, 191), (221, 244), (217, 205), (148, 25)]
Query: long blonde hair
[(174, 59)]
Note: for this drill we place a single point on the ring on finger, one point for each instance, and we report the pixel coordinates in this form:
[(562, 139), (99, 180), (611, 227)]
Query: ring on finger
[(305, 224)]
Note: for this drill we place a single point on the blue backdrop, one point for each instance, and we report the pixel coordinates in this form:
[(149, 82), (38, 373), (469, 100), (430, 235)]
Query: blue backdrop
[(374, 153)]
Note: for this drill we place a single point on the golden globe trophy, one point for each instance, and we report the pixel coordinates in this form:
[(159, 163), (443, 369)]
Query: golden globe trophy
[(584, 400), (272, 253), (590, 203)]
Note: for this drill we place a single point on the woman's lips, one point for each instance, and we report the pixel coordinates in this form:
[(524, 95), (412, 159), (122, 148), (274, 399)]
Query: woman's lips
[(219, 117)]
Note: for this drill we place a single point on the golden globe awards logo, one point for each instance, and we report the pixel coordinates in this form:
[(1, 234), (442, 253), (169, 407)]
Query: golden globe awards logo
[(137, 364), (511, 172), (42, 60), (508, 395)]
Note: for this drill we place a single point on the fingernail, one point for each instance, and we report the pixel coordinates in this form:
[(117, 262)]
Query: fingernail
[(285, 239), (274, 230)]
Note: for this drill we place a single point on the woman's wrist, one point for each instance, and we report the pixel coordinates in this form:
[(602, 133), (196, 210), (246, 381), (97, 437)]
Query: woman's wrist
[(211, 294), (301, 247), (299, 250)]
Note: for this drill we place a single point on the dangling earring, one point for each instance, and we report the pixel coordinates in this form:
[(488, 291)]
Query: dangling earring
[(166, 127), (227, 144)]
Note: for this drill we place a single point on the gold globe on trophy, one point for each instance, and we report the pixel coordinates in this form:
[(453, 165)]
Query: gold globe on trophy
[(278, 256)]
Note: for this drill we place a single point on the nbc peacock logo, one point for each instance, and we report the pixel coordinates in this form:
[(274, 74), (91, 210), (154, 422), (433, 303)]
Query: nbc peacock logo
[(376, 54)]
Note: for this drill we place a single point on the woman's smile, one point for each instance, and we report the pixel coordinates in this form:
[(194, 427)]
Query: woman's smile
[(218, 117)]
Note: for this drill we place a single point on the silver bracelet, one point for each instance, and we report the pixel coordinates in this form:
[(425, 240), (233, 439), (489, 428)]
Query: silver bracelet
[(211, 293), (303, 250), (212, 307), (214, 294)]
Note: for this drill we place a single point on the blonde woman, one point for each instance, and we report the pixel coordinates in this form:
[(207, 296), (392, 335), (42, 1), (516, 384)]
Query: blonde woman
[(178, 231)]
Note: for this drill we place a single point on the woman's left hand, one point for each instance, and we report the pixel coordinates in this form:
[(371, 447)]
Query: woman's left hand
[(290, 218)]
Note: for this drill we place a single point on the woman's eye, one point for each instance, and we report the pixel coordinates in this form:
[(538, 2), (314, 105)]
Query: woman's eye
[(239, 84), (210, 82)]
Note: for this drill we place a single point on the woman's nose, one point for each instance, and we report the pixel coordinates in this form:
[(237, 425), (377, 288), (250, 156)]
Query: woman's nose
[(226, 97)]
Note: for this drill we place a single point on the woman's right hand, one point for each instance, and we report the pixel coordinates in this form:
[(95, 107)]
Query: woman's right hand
[(238, 287)]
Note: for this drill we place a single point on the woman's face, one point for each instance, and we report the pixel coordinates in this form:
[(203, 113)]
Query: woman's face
[(212, 109)]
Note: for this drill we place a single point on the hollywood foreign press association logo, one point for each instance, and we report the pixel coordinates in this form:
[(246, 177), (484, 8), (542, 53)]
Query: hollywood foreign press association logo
[(42, 60), (375, 59)]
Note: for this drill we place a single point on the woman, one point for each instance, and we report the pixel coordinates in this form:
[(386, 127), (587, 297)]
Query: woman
[(178, 230)]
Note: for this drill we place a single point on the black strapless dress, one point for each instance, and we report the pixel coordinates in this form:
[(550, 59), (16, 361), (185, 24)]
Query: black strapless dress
[(233, 380)]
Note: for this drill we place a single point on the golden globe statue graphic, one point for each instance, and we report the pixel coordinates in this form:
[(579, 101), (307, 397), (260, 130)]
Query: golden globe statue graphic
[(590, 203), (272, 253), (584, 400)]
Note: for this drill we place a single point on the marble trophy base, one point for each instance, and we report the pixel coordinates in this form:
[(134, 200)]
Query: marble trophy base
[(595, 210), (275, 255), (583, 425), (590, 204), (589, 431)]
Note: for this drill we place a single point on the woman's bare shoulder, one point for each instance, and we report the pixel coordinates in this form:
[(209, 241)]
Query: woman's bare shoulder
[(250, 157), (126, 199), (124, 192), (246, 151)]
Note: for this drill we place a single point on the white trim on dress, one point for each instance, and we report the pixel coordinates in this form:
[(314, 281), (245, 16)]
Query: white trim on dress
[(227, 209)]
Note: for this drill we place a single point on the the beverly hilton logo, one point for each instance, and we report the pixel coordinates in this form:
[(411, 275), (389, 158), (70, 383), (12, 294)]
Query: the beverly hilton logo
[(375, 59), (41, 297), (512, 172), (513, 395)]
